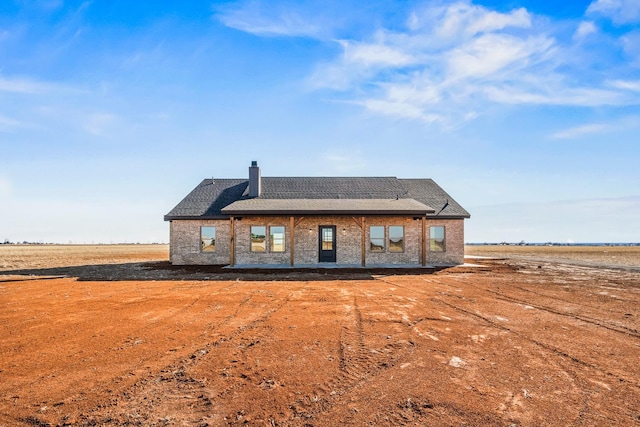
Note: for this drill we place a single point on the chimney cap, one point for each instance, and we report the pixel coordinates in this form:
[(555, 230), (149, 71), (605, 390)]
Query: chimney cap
[(254, 163)]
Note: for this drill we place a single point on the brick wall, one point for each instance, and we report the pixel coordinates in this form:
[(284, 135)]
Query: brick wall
[(185, 241), (243, 241), (454, 242)]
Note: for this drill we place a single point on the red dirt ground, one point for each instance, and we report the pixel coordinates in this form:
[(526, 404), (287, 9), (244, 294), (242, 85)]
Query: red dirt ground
[(516, 342)]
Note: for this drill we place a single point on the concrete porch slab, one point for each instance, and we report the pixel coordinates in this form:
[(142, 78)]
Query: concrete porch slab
[(329, 265)]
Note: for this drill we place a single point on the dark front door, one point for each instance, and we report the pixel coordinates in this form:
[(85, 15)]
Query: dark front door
[(327, 241)]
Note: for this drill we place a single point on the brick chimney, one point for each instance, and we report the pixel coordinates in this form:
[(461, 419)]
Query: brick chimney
[(255, 180)]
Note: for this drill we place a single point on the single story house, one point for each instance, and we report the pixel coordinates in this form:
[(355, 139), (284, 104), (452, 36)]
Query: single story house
[(303, 221)]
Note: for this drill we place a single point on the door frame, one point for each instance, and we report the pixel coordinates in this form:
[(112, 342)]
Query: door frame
[(324, 255)]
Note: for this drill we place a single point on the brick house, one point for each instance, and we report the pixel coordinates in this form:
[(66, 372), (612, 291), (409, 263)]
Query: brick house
[(304, 221)]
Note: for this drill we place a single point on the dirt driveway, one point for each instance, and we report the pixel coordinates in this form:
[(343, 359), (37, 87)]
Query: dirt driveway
[(509, 343)]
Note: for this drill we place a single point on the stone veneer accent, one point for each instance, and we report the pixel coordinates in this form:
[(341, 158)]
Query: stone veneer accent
[(185, 241)]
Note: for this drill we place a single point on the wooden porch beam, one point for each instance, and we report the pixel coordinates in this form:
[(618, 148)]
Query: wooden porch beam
[(424, 241), (292, 226), (364, 242), (232, 242)]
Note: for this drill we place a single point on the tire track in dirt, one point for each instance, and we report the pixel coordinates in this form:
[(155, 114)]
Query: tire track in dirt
[(581, 385), (541, 344), (587, 319), (172, 390), (423, 412), (357, 365), (634, 333), (354, 362)]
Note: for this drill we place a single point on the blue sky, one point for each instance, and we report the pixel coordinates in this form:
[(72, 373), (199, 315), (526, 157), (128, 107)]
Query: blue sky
[(526, 112)]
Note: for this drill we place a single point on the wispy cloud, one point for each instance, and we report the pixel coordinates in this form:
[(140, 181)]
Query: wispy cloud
[(632, 85), (268, 19), (619, 11), (451, 60), (585, 28), (25, 86), (622, 124), (579, 131)]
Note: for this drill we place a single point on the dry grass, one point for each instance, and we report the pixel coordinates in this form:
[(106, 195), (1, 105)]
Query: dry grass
[(605, 256), (16, 257)]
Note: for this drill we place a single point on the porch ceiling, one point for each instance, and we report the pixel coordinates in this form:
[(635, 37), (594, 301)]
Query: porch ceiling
[(259, 206)]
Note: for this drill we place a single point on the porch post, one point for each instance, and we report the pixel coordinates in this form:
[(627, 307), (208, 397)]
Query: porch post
[(364, 242), (424, 241), (232, 241), (292, 226)]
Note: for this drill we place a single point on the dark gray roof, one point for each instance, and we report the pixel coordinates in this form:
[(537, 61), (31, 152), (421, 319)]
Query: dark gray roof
[(209, 198), (431, 194)]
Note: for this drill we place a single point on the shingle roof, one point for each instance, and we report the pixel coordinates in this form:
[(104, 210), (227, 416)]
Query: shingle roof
[(209, 198), (431, 194), (327, 206)]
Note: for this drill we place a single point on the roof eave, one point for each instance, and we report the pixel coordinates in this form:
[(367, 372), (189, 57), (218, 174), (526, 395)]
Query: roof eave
[(326, 212), (194, 217)]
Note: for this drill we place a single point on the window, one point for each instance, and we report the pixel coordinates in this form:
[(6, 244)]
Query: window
[(436, 239), (258, 238), (376, 238), (207, 239), (327, 239), (276, 240), (396, 238)]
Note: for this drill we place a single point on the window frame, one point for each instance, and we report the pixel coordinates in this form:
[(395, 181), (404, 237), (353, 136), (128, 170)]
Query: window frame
[(271, 239), (433, 240), (213, 239), (252, 240), (382, 248), (391, 247)]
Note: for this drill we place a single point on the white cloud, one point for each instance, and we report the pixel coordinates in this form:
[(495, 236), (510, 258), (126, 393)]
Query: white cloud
[(463, 20), (453, 59), (631, 45), (24, 86), (402, 109), (619, 11), (585, 29), (489, 54), (622, 124), (557, 95), (370, 55), (269, 20), (579, 131), (631, 85)]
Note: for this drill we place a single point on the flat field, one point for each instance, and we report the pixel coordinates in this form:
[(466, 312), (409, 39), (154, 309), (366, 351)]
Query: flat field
[(114, 335)]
